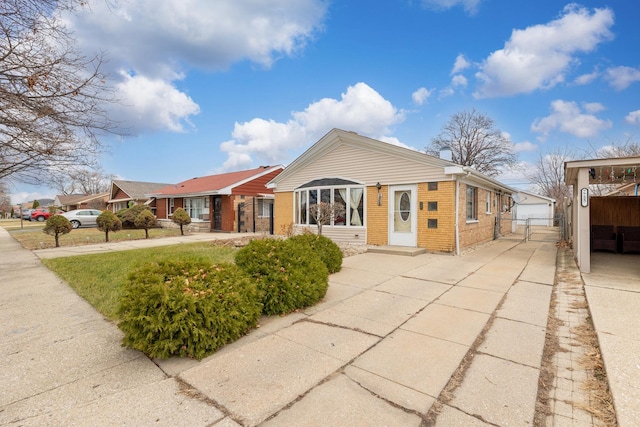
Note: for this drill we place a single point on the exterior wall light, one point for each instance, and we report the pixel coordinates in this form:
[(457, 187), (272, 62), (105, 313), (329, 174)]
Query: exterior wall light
[(378, 186)]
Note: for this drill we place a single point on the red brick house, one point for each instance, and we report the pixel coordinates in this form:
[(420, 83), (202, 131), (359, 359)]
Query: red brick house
[(69, 202), (125, 193), (232, 202)]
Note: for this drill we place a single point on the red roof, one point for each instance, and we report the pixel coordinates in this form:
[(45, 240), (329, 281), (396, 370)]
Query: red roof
[(214, 183)]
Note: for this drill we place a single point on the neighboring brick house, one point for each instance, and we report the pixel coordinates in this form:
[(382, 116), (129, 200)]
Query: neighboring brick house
[(393, 196), (125, 193), (232, 202), (69, 202)]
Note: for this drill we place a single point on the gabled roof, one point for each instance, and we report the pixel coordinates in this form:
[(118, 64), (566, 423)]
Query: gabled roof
[(76, 199), (337, 136), (213, 184), (527, 193), (136, 190)]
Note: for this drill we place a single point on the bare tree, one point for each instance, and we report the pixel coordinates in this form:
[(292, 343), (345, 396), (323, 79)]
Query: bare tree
[(52, 98), (616, 149), (474, 141), (5, 199), (81, 181), (548, 174), (324, 212)]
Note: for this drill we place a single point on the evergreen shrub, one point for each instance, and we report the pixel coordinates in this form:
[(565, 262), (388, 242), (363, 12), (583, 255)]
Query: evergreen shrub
[(57, 225), (107, 222), (182, 218), (289, 275), (329, 252), (128, 215), (187, 308)]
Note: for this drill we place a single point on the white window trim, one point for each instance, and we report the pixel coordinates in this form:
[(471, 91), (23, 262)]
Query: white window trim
[(296, 204), (488, 202), (204, 211), (475, 205), (265, 204)]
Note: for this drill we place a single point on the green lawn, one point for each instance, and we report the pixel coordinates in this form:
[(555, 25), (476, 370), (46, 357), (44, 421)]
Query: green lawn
[(32, 237), (99, 278)]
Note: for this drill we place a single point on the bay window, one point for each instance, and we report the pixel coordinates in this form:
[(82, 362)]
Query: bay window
[(351, 197)]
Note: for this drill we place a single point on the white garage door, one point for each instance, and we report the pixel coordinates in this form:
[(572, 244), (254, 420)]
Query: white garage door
[(538, 213)]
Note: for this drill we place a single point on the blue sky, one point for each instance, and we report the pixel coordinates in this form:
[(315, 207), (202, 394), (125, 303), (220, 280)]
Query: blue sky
[(208, 87)]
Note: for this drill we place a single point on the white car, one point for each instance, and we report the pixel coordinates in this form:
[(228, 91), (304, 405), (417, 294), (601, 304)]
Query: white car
[(82, 217)]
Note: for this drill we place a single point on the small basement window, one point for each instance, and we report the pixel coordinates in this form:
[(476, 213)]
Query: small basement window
[(432, 223)]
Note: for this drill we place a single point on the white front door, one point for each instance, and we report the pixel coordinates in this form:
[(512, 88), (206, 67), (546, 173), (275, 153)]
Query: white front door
[(403, 215)]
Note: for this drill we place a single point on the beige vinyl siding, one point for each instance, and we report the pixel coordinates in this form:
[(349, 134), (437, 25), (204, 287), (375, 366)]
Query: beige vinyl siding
[(352, 235), (364, 166)]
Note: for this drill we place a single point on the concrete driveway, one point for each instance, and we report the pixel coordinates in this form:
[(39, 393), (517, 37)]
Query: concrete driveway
[(393, 336)]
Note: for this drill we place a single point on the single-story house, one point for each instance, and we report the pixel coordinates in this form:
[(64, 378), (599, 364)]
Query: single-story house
[(392, 196), (586, 211), (234, 201), (539, 210), (124, 194), (68, 202)]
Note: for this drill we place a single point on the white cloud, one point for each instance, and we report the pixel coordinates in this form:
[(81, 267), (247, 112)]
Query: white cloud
[(447, 91), (567, 117), (621, 78), (153, 104), (360, 109), (593, 107), (421, 95), (470, 6), (156, 40), (523, 146), (28, 197), (395, 141), (633, 118), (515, 175), (458, 80), (460, 64), (539, 57), (585, 79)]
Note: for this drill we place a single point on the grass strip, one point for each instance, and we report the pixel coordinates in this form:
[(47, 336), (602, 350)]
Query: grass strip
[(32, 239), (99, 278)]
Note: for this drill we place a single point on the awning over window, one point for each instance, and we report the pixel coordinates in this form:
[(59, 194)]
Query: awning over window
[(327, 182)]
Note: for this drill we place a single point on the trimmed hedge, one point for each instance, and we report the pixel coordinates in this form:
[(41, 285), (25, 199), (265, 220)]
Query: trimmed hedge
[(128, 215), (329, 252), (187, 308), (289, 275)]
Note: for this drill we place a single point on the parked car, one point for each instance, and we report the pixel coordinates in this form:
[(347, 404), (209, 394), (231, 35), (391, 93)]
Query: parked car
[(26, 214), (41, 214), (82, 217)]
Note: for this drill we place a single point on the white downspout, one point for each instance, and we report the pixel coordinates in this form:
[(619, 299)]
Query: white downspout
[(457, 231)]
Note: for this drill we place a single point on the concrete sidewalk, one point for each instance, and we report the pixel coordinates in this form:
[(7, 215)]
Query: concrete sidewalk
[(613, 293), (66, 251), (393, 336)]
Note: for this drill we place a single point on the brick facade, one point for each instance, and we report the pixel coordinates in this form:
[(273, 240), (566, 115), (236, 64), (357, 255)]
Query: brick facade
[(283, 212), (377, 217), (441, 238), (481, 230)]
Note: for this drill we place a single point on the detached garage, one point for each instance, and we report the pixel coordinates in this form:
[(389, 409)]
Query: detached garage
[(539, 209)]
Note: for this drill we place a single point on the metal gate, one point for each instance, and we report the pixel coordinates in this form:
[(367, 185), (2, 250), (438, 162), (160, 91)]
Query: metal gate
[(529, 229)]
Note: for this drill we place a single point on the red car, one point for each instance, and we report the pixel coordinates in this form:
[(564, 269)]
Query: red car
[(41, 214)]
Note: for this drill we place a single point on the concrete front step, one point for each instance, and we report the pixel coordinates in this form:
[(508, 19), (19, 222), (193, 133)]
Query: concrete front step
[(396, 250)]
